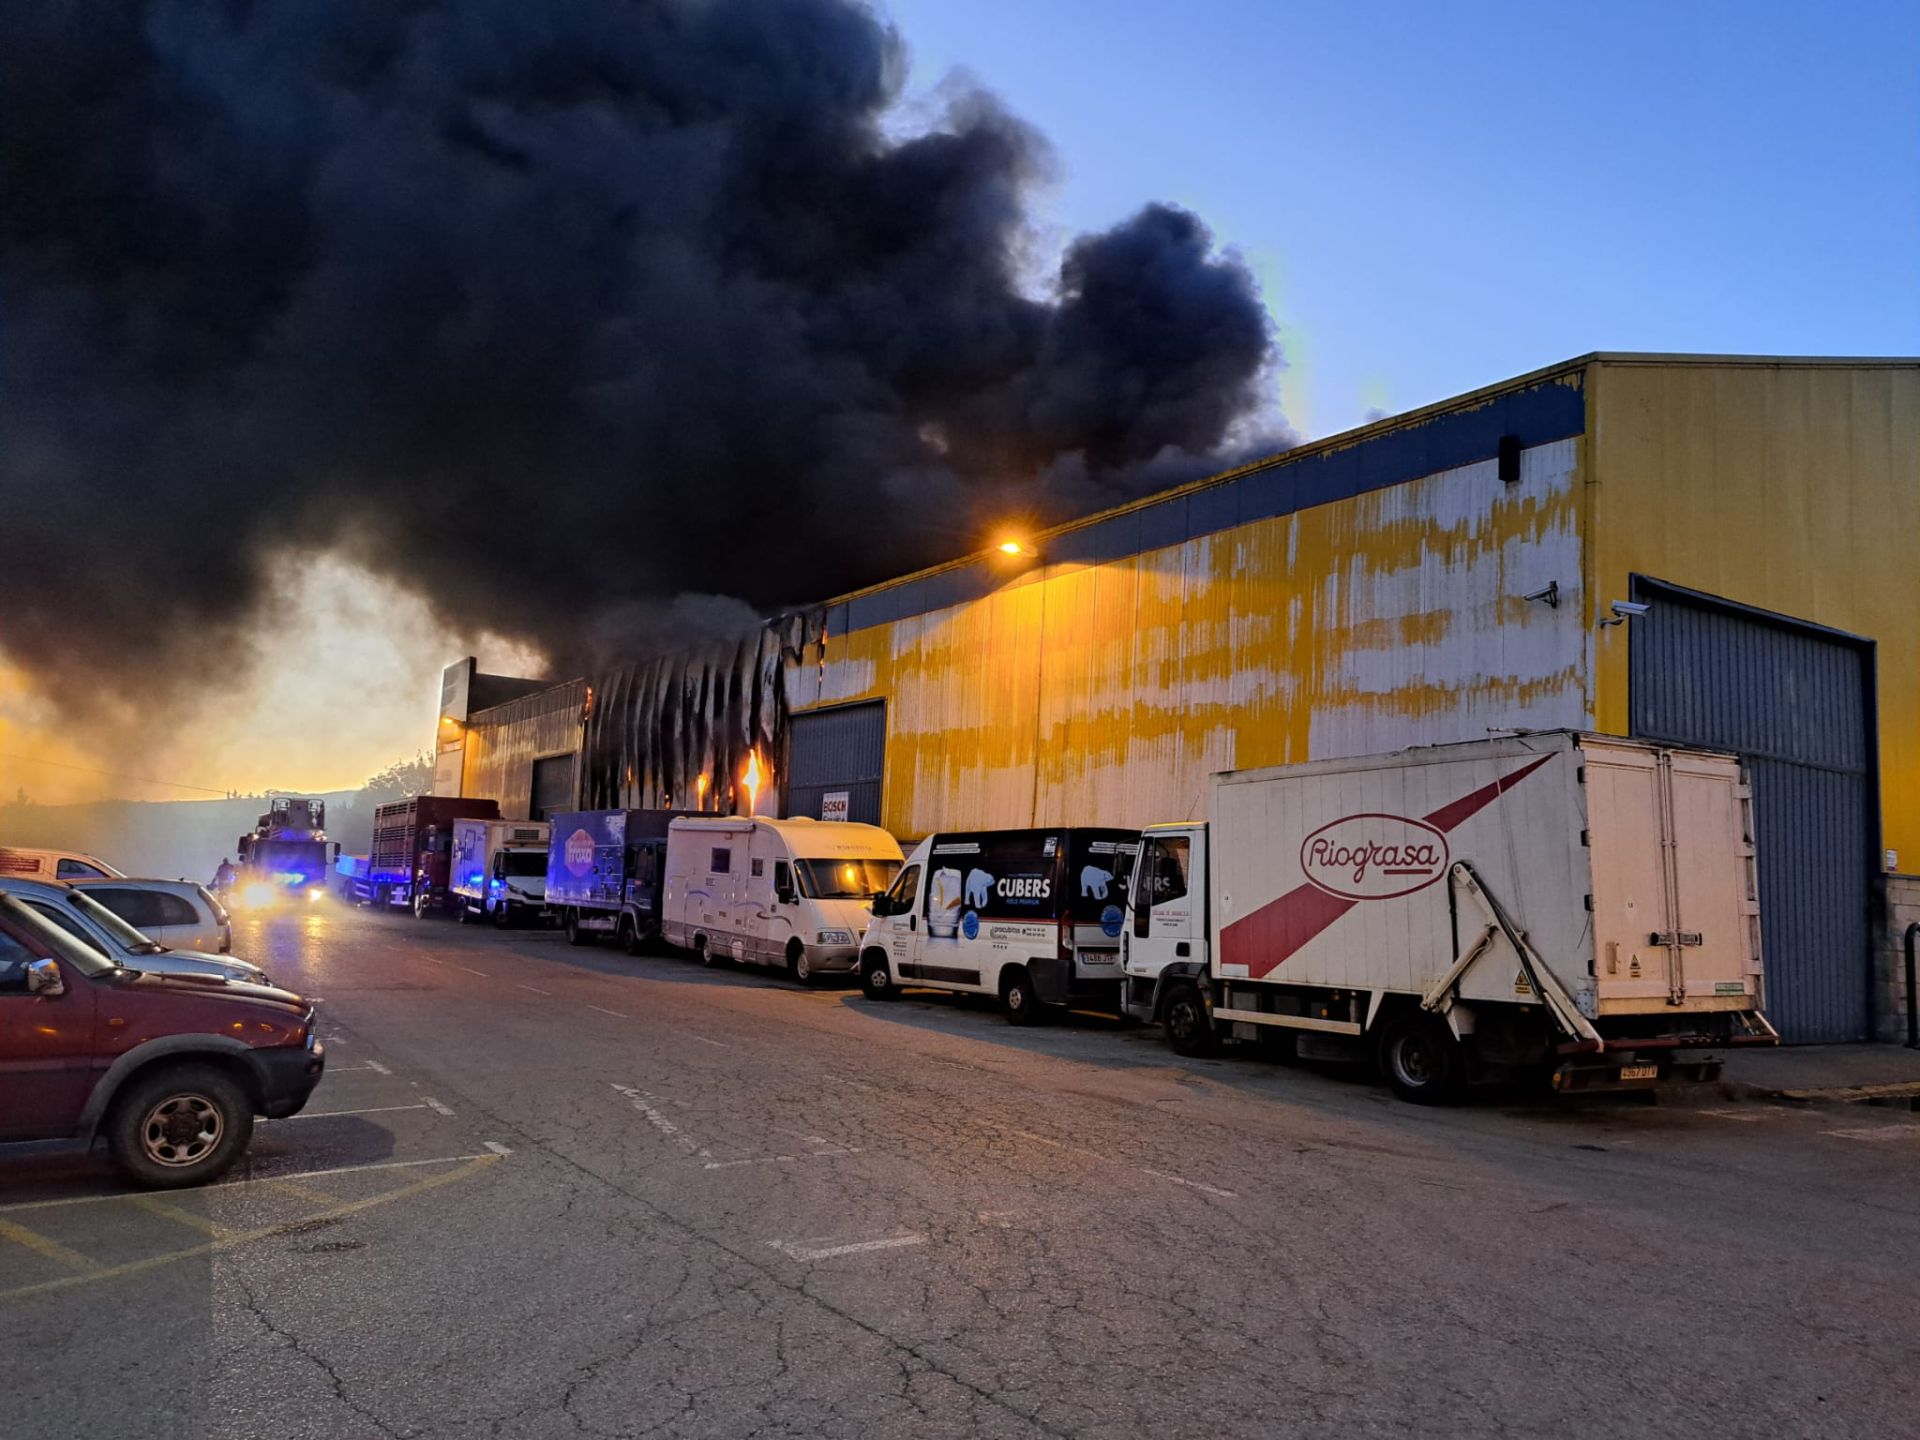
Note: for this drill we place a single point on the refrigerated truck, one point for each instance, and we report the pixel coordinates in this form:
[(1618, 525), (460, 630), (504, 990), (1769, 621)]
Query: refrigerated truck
[(603, 873), (1567, 905), (1031, 916), (499, 870), (789, 893), (412, 848)]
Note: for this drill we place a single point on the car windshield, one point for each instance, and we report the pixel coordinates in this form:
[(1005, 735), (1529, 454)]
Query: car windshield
[(118, 930), (526, 862), (858, 879), (83, 957)]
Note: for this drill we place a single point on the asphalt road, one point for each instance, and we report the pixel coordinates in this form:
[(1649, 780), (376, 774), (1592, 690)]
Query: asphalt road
[(548, 1191)]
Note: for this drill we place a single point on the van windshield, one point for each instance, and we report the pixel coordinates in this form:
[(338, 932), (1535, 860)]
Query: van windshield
[(845, 879), (522, 863)]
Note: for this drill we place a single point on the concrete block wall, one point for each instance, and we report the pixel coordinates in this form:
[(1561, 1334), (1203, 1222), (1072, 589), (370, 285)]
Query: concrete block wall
[(1890, 965)]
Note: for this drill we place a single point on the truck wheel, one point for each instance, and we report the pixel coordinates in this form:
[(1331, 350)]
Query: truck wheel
[(876, 978), (1422, 1060), (1188, 1026), (503, 915), (627, 934), (463, 915), (575, 935), (1023, 1007), (799, 967), (183, 1125)]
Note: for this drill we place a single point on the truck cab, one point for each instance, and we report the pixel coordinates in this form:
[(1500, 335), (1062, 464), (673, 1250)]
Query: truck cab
[(1034, 917), (1165, 937)]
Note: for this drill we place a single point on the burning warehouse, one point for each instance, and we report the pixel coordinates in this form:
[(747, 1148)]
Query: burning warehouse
[(1710, 551)]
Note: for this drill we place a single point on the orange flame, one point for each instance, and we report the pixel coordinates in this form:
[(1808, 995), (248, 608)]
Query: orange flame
[(700, 791), (750, 777)]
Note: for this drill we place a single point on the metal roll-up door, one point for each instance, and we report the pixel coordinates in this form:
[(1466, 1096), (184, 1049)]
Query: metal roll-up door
[(552, 786), (835, 762), (1796, 702)]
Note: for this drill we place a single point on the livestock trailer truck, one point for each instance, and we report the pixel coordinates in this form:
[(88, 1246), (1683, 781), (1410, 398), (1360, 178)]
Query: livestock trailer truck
[(413, 848), (1569, 906)]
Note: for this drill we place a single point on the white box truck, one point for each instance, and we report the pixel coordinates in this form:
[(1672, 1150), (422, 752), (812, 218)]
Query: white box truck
[(1575, 906), (792, 893), (499, 870)]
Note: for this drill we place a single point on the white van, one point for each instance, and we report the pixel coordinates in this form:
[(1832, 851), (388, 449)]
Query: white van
[(1032, 916), (774, 892), (21, 864)]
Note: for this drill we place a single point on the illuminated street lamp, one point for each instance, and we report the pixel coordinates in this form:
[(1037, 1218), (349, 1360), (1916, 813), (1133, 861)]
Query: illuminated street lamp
[(1015, 546)]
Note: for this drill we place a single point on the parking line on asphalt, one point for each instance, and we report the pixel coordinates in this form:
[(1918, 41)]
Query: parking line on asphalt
[(471, 971), (155, 1206), (1876, 1133), (48, 1249), (1190, 1184), (438, 1107), (1109, 1160), (496, 1147), (378, 1068), (535, 988), (335, 1114), (232, 1238), (604, 1011), (796, 1251)]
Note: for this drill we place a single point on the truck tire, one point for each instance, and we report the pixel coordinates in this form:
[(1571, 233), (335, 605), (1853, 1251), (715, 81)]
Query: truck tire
[(575, 935), (180, 1125), (628, 934), (876, 977), (463, 915), (1018, 998), (1186, 1023), (799, 968), (503, 915), (1422, 1060)]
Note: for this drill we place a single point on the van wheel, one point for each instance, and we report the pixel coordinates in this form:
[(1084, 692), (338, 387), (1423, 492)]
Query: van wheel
[(1422, 1060), (575, 934), (799, 967), (184, 1125), (1189, 1029), (876, 978), (1023, 1007)]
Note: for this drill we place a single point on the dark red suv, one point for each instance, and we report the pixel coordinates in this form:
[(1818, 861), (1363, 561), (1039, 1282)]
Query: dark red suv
[(171, 1069)]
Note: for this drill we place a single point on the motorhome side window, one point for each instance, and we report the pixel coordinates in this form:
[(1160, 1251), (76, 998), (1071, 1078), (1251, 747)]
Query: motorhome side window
[(782, 877), (722, 860)]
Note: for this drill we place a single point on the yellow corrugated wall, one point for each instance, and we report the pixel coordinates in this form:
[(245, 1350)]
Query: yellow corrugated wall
[(1791, 487), (1108, 693), (503, 742)]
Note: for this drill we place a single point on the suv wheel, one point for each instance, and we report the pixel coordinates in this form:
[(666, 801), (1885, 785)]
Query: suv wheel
[(184, 1125)]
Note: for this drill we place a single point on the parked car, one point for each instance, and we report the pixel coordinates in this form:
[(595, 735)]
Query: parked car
[(174, 912), (169, 1069), (54, 865), (85, 918)]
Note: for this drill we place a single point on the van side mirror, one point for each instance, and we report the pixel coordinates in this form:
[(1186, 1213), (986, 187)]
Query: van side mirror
[(43, 978), (784, 894), (882, 905)]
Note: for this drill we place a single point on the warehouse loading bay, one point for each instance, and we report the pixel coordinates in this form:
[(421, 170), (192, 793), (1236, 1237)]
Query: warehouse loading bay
[(550, 1191)]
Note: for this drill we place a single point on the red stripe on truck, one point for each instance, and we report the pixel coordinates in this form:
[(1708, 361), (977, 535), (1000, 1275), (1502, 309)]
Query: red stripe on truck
[(1266, 939)]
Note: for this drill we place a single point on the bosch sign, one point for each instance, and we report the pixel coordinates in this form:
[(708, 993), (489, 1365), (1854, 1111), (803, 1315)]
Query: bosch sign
[(1374, 857)]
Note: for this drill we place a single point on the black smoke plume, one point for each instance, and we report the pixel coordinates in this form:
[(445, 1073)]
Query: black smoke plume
[(548, 311)]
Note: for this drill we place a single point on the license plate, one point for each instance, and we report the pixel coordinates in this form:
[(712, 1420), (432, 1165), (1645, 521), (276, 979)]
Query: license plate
[(1639, 1072)]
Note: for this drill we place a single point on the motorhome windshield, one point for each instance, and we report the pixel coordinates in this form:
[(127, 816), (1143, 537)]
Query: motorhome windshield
[(845, 879)]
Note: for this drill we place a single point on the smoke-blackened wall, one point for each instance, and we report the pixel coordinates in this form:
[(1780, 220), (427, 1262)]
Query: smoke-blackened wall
[(549, 312)]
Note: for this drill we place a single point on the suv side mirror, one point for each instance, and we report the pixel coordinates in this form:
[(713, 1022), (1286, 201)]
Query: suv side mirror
[(43, 978)]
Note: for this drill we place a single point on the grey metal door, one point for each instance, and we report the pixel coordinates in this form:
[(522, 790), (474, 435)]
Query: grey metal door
[(552, 786), (1796, 702), (838, 754)]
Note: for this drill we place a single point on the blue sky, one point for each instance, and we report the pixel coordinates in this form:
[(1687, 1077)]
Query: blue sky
[(1439, 196)]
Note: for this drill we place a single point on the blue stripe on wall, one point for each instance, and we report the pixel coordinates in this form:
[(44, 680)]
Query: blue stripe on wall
[(1552, 410)]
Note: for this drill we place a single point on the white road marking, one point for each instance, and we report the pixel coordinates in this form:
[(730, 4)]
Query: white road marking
[(1877, 1133), (496, 1147), (471, 971), (1143, 1169), (378, 1068), (335, 1114), (1742, 1117), (1190, 1184), (640, 1099), (794, 1250), (604, 1011), (777, 1159), (535, 988), (438, 1107), (704, 1041)]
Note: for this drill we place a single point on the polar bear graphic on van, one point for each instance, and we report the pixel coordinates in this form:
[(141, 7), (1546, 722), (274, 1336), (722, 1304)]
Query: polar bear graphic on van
[(1094, 882), (979, 886)]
